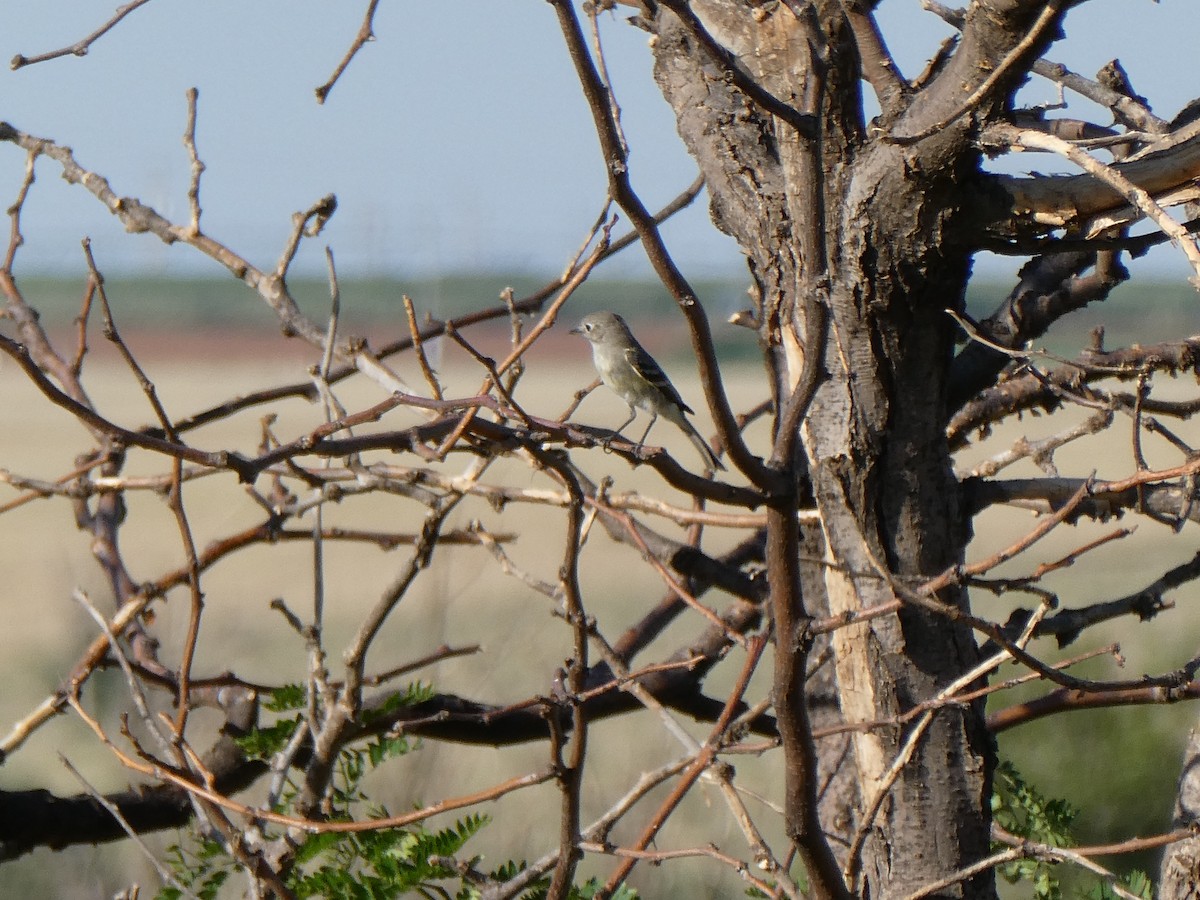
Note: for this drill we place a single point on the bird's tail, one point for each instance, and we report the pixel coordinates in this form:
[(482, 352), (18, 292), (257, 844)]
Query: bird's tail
[(701, 444)]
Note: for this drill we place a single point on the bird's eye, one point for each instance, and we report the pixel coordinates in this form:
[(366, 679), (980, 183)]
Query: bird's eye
[(587, 327)]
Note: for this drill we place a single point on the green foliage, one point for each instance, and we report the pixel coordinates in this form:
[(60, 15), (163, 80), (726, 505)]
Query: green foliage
[(389, 862), (286, 699), (1136, 882), (386, 863), (365, 865), (263, 743), (412, 695), (1020, 809), (801, 883), (586, 891), (385, 748), (201, 870)]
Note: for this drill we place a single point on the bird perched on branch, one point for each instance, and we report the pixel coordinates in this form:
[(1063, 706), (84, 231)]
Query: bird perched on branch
[(631, 372)]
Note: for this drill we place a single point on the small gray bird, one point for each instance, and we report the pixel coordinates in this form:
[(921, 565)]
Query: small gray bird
[(637, 379)]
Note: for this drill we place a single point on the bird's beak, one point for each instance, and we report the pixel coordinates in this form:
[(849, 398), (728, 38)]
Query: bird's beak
[(576, 330)]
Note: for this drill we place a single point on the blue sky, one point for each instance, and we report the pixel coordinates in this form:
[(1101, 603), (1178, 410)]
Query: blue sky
[(457, 140)]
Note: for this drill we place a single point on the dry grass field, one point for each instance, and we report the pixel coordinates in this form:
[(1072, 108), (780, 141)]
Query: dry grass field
[(464, 598)]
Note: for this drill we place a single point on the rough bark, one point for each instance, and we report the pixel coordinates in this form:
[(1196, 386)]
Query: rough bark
[(868, 229), (1180, 872)]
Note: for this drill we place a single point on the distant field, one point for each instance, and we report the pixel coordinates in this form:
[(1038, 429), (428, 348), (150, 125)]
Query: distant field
[(205, 340), (221, 301), (373, 307)]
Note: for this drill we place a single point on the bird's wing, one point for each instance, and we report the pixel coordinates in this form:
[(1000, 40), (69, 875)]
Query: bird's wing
[(643, 363)]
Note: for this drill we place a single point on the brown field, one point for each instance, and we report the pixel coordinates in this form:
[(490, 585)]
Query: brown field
[(462, 599)]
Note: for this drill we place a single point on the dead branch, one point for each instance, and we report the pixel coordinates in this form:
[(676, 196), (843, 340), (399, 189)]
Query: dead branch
[(80, 47), (361, 39)]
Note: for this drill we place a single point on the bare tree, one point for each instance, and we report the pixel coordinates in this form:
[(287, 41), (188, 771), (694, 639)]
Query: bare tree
[(851, 576)]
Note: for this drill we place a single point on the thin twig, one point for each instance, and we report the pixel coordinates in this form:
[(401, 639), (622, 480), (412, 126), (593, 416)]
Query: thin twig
[(435, 386), (164, 873), (80, 47), (364, 35), (189, 141)]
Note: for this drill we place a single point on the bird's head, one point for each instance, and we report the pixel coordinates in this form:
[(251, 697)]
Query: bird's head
[(599, 325)]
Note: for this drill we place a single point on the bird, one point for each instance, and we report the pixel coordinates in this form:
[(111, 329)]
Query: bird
[(625, 366)]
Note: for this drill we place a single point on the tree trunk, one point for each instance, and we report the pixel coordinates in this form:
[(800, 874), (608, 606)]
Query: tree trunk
[(854, 236), (1180, 872)]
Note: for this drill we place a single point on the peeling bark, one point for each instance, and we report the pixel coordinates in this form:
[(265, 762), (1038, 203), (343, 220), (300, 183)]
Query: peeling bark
[(870, 229)]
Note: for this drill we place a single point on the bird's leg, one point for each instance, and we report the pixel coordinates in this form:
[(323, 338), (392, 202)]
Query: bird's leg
[(632, 416), (607, 444), (646, 433)]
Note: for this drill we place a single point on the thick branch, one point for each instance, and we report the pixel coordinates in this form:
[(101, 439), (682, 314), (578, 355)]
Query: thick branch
[(1164, 502), (1045, 390), (30, 819), (1049, 288), (1062, 200)]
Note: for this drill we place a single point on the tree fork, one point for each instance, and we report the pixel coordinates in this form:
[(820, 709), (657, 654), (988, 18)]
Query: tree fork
[(833, 219)]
